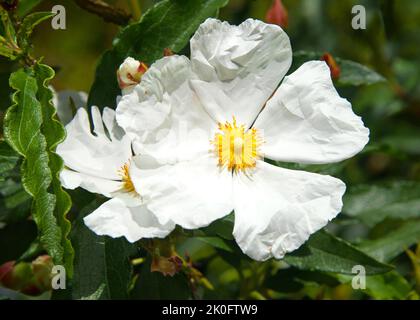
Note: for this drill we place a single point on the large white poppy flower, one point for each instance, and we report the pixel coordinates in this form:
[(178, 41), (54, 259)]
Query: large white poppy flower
[(224, 100), (99, 162)]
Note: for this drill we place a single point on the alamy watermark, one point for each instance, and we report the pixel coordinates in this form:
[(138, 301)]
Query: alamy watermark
[(359, 280), (359, 17), (58, 277), (58, 22)]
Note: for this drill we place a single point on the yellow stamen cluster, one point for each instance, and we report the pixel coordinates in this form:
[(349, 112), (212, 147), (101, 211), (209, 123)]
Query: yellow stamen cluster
[(127, 183), (236, 147)]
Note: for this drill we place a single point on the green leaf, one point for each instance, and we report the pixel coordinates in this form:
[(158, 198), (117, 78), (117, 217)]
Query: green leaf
[(8, 159), (390, 285), (7, 29), (394, 243), (8, 46), (372, 203), (25, 6), (32, 131), (99, 262), (19, 237), (15, 202), (291, 279), (217, 243), (168, 24), (22, 130), (6, 91), (324, 252), (352, 73), (154, 285), (54, 133), (222, 228), (28, 25)]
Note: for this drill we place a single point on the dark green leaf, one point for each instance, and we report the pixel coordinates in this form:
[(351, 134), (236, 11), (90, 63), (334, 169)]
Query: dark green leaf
[(222, 228), (19, 236), (394, 243), (216, 243), (154, 285), (290, 279), (169, 24), (99, 262), (8, 159), (372, 203), (14, 200), (324, 252), (352, 73)]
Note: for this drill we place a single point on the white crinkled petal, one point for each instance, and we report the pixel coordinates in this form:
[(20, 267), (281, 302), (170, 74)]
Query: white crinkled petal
[(238, 67), (276, 209), (163, 115), (72, 180), (94, 155), (191, 194), (306, 121), (115, 219)]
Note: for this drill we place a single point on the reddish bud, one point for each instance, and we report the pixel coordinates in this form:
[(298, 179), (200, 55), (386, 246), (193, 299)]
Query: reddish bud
[(130, 72), (167, 266), (6, 272), (277, 14), (42, 268), (168, 52), (332, 64)]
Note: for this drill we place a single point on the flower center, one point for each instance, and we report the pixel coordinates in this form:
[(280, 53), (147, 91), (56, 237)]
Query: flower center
[(236, 148), (127, 183)]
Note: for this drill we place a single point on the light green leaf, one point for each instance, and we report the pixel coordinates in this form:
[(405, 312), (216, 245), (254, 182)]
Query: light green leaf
[(372, 203), (28, 25), (30, 129), (8, 46), (324, 252), (394, 243), (25, 6), (169, 24), (22, 130), (54, 133), (352, 73), (390, 285)]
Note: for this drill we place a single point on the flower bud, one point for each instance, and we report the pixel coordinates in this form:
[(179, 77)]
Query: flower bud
[(6, 270), (129, 73), (332, 64), (42, 268), (277, 14), (167, 266), (167, 52)]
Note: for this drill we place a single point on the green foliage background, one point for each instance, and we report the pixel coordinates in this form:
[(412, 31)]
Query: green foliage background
[(379, 227)]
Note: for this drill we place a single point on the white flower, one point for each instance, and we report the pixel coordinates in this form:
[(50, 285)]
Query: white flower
[(99, 162), (129, 74), (225, 100)]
